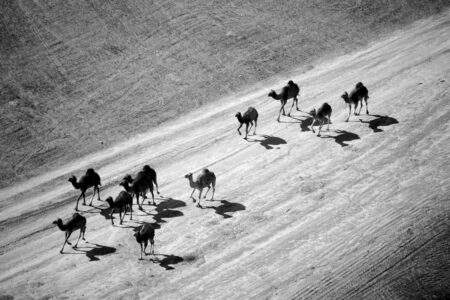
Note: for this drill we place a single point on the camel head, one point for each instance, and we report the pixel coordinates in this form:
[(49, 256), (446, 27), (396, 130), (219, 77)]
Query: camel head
[(127, 178), (345, 96), (239, 117), (72, 179), (188, 176), (313, 112), (272, 94)]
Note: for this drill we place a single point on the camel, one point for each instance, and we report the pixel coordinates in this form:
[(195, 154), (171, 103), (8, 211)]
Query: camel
[(123, 201), (151, 174), (249, 116), (77, 222), (205, 179), (138, 186), (143, 236), (90, 179), (291, 90), (356, 96), (324, 112)]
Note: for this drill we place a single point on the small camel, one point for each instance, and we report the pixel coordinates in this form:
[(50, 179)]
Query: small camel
[(123, 201), (90, 179), (77, 222), (324, 112), (145, 235), (356, 96), (291, 90), (205, 179), (249, 116)]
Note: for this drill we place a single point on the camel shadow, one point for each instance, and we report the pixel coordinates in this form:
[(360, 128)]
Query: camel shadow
[(165, 210), (380, 121), (342, 137), (269, 141), (96, 250), (226, 207), (305, 124), (167, 261)]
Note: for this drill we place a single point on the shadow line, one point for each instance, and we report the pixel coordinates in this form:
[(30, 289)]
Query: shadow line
[(305, 124), (226, 207), (167, 261), (269, 141), (97, 250), (379, 121), (342, 137)]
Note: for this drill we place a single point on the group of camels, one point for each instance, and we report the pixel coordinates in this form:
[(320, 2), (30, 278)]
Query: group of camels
[(146, 179), (291, 91)]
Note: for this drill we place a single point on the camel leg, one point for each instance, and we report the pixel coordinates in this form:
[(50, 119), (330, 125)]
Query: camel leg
[(156, 184), (360, 106), (367, 106), (240, 128), (214, 190), (111, 216), (153, 197), (152, 246), (84, 231), (312, 125), (293, 102), (76, 205), (93, 195), (256, 123), (121, 217), (142, 249), (349, 112), (329, 121), (76, 244), (251, 125), (199, 197), (320, 127), (137, 201), (279, 114), (145, 246), (193, 199), (131, 213), (209, 187), (296, 103), (246, 130), (66, 241)]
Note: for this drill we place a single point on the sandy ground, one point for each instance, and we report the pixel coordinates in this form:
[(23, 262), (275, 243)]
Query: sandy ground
[(361, 212)]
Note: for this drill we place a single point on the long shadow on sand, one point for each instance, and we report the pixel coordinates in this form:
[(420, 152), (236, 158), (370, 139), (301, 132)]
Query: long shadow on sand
[(96, 250), (268, 141), (225, 207), (167, 260), (165, 210), (305, 124), (380, 121), (342, 137)]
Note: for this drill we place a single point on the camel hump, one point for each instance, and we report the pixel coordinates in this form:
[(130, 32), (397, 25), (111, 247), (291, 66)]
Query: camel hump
[(325, 108), (90, 171)]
